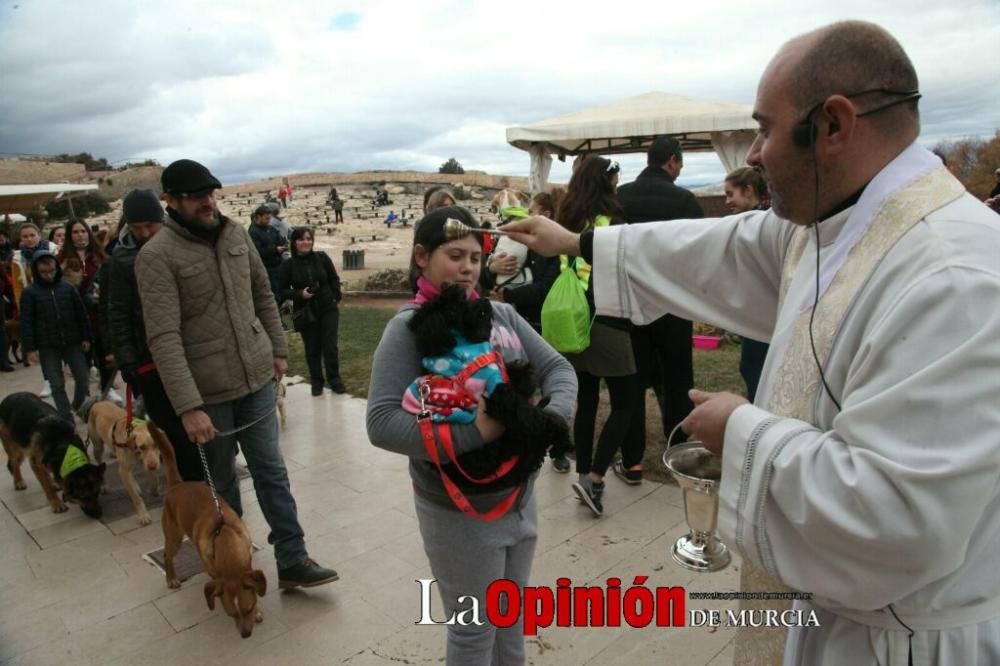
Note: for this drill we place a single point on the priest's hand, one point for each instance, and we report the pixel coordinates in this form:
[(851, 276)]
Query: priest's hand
[(544, 237), (708, 420)]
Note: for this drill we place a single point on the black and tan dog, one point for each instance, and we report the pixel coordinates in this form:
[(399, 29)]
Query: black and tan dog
[(221, 539), (12, 327), (31, 428), (529, 431)]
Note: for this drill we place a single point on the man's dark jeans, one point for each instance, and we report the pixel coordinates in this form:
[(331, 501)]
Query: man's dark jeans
[(259, 444)]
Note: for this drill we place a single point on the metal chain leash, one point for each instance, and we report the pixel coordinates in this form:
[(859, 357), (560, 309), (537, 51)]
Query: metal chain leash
[(225, 433), (208, 478)]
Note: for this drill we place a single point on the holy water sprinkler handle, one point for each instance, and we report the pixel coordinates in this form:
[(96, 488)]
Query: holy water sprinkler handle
[(455, 229)]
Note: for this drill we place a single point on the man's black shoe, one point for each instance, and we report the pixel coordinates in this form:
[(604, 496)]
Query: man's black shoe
[(337, 386), (305, 574), (6, 367)]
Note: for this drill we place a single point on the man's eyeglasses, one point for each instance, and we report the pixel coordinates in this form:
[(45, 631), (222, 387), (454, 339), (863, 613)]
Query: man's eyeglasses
[(198, 194)]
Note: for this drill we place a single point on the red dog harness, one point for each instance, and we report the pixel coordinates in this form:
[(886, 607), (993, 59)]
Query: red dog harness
[(444, 394)]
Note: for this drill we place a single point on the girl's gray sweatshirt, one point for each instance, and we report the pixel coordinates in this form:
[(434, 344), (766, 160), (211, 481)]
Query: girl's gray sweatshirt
[(397, 364)]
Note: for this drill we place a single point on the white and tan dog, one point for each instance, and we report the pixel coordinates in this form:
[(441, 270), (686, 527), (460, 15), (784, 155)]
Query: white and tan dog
[(107, 426), (505, 245), (279, 395)]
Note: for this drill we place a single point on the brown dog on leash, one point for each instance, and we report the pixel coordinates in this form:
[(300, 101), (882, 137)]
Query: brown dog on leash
[(107, 425), (222, 542)]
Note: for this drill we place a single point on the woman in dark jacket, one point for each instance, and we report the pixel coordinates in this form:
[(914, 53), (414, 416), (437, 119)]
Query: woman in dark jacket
[(81, 258), (311, 282)]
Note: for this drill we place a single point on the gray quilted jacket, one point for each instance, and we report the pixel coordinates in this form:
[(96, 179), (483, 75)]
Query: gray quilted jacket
[(211, 320)]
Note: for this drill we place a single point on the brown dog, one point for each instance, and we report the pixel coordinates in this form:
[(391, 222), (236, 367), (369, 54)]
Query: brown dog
[(107, 426), (222, 542)]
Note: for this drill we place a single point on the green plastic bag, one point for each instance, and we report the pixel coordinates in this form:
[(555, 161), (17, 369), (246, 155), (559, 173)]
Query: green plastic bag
[(566, 318)]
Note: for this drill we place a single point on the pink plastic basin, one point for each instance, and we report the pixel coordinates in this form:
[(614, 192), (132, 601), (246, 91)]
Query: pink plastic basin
[(706, 341)]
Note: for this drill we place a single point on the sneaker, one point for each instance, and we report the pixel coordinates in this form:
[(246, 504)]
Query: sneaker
[(114, 397), (632, 477), (337, 386), (46, 391), (305, 574), (6, 367), (590, 493), (561, 464)]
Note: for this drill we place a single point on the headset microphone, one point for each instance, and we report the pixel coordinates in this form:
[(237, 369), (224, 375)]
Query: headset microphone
[(804, 133)]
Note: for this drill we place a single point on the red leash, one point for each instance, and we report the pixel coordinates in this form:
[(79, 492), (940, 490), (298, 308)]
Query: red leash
[(427, 428), (128, 410)]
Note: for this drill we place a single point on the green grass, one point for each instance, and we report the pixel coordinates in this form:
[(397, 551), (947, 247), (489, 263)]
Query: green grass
[(361, 329)]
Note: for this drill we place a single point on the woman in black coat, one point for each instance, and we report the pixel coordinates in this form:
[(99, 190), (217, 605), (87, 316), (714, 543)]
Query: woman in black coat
[(309, 279)]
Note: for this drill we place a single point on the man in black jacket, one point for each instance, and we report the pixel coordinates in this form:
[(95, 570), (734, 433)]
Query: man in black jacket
[(663, 348), (143, 215), (270, 245)]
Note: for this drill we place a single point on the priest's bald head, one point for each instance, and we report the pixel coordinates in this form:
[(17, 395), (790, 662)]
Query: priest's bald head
[(834, 105)]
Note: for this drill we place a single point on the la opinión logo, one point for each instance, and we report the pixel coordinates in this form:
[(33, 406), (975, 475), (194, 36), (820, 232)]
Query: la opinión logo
[(605, 606), (566, 606)]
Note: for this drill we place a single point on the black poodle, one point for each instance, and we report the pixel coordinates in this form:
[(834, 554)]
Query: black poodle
[(529, 431)]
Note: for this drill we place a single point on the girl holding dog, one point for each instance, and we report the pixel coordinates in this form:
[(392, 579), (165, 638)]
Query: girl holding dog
[(466, 552)]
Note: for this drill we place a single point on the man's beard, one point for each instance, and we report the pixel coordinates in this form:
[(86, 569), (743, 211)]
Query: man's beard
[(207, 225)]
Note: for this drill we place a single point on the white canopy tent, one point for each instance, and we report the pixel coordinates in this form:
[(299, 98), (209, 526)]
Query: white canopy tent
[(25, 198), (630, 125)]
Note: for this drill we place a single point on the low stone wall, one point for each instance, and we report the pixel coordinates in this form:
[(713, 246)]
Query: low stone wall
[(361, 178), (15, 171), (116, 184)]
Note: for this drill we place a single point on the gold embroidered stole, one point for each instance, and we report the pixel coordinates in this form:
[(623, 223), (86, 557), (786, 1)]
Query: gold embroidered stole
[(793, 392)]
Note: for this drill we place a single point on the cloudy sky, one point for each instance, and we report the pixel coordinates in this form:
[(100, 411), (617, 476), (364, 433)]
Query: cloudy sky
[(258, 88)]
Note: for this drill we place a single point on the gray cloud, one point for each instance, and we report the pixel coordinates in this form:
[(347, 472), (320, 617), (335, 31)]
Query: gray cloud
[(318, 86)]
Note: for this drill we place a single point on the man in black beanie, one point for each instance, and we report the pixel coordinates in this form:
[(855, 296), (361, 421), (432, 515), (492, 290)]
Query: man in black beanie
[(215, 335), (142, 218)]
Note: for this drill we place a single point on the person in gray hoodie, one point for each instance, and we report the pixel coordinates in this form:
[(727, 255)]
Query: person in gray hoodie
[(466, 553)]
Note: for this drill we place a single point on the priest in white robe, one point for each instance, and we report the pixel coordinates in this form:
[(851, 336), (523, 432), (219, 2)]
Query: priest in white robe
[(872, 483)]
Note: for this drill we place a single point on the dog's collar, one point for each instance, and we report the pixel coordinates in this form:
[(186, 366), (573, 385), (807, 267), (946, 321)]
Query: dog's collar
[(128, 431), (72, 461)]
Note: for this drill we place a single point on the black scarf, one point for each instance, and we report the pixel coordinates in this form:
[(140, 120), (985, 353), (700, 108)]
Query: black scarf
[(210, 235)]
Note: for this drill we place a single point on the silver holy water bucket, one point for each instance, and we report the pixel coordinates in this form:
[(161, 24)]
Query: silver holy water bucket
[(698, 472)]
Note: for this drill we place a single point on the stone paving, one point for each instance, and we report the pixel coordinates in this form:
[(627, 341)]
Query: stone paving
[(76, 591)]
